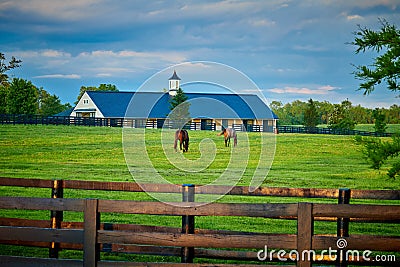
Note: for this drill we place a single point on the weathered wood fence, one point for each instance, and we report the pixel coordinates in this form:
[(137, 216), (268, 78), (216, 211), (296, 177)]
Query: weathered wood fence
[(93, 236)]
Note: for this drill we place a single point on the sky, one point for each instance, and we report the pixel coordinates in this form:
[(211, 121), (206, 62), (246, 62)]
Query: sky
[(291, 50)]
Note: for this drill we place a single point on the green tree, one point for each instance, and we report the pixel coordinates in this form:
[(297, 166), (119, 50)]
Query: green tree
[(385, 67), (377, 152), (294, 112), (4, 67), (325, 109), (341, 118), (4, 79), (50, 104), (393, 114), (179, 107), (278, 108), (3, 99), (380, 121), (22, 97), (310, 114), (102, 87), (361, 114)]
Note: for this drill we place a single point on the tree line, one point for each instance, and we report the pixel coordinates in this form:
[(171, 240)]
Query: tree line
[(314, 113)]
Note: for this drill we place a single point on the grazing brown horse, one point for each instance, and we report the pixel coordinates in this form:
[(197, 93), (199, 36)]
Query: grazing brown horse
[(183, 137), (228, 134)]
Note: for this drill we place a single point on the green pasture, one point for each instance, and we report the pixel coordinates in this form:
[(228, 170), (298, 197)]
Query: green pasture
[(391, 128), (97, 153)]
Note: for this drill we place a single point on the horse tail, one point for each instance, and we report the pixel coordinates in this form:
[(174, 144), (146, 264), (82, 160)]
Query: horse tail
[(187, 136), (234, 137), (186, 140)]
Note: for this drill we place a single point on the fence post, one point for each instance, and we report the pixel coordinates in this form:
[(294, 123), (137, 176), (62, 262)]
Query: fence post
[(305, 232), (56, 217), (343, 225), (91, 249), (187, 253)]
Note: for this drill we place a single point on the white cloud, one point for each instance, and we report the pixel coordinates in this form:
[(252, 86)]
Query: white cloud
[(97, 63), (48, 53), (353, 17), (321, 90), (54, 53), (309, 48), (104, 75), (58, 76), (262, 22), (68, 10), (172, 57), (107, 63)]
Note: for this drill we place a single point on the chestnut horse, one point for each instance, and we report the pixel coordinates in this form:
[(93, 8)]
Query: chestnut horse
[(183, 137), (228, 134)]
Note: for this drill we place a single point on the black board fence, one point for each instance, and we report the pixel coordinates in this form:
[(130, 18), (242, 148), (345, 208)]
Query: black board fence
[(97, 122), (320, 130), (144, 123), (59, 120)]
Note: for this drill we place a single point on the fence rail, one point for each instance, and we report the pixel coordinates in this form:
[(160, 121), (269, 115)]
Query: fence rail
[(94, 121), (318, 130), (200, 189), (145, 123), (93, 236)]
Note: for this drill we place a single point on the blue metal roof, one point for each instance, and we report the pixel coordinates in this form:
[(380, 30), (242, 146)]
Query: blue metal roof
[(202, 105), (111, 104), (64, 113)]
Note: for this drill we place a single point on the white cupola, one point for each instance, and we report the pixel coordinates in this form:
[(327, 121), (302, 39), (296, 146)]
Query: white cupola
[(173, 84)]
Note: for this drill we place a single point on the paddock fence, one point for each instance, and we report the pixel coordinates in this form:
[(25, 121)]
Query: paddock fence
[(99, 122), (96, 237), (321, 130), (149, 123)]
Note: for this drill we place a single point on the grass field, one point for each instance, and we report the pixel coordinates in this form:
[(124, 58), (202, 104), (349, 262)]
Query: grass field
[(96, 153), (391, 128)]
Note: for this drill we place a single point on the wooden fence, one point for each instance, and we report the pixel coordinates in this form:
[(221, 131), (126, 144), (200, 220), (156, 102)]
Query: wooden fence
[(320, 130), (99, 122), (93, 236), (145, 123)]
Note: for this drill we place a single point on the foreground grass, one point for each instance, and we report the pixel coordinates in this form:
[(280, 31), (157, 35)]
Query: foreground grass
[(86, 153)]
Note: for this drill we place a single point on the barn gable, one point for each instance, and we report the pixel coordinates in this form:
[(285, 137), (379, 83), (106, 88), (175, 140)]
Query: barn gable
[(87, 107)]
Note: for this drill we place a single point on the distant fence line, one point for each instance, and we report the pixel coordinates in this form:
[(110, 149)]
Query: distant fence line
[(148, 123), (97, 122), (318, 130)]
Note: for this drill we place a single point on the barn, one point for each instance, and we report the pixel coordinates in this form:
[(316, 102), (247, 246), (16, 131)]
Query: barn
[(208, 111)]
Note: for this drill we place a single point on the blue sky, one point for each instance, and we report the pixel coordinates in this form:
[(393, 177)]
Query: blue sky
[(290, 49)]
